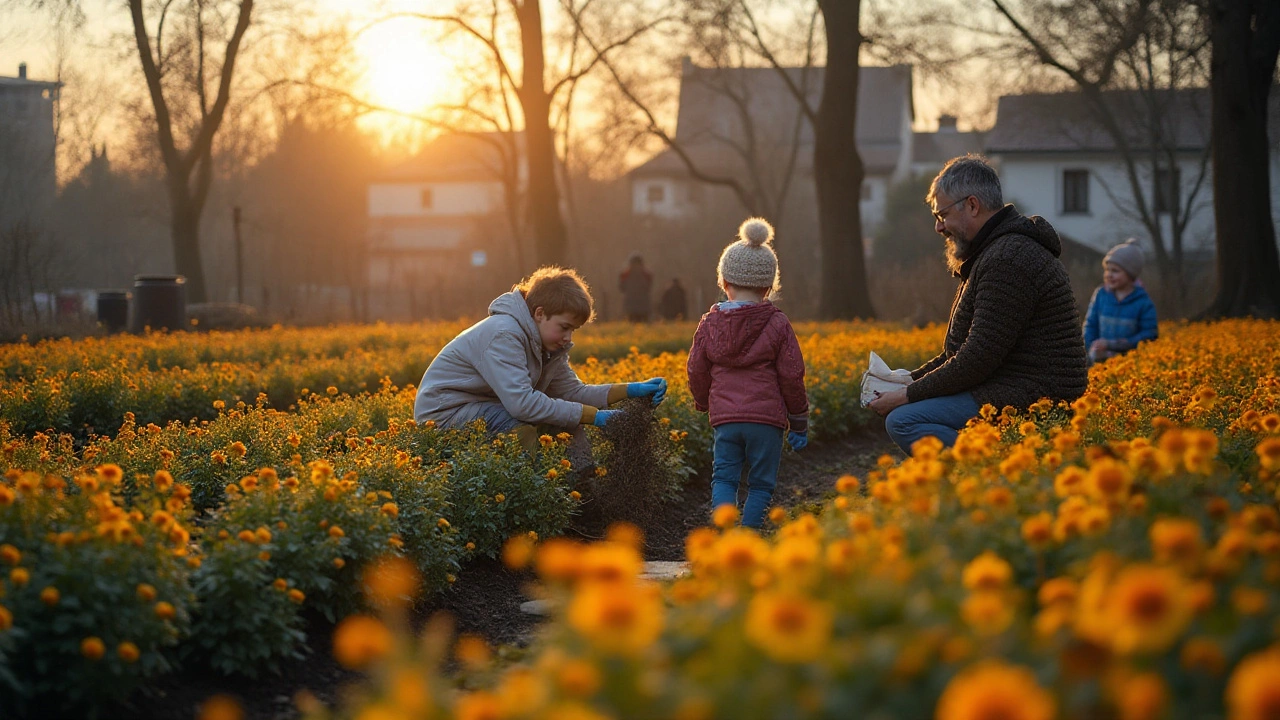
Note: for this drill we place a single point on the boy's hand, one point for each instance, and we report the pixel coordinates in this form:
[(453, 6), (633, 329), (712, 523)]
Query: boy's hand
[(655, 387), (602, 417), (798, 440)]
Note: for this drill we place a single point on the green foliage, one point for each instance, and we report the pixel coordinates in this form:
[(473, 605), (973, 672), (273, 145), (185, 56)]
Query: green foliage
[(79, 566), (244, 624)]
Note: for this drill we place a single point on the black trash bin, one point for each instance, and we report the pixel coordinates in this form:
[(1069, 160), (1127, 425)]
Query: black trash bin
[(113, 309), (159, 302)]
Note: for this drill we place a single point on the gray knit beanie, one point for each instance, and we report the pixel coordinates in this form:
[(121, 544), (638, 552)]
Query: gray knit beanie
[(1128, 255), (750, 262)]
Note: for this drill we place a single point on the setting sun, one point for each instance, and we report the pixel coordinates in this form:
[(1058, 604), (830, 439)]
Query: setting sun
[(404, 71)]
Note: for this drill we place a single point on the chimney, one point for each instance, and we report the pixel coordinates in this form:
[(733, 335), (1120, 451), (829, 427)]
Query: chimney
[(946, 123), (22, 71)]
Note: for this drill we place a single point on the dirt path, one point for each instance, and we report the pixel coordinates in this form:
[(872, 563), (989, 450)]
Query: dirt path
[(486, 599)]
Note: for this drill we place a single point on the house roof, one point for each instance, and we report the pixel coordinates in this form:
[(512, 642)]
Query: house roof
[(457, 157), (1064, 122), (13, 82), (936, 148), (721, 109)]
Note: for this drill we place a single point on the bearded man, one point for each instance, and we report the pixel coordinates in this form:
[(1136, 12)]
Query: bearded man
[(1014, 332)]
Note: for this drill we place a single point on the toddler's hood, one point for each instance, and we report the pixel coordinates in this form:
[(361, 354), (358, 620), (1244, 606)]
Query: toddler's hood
[(733, 336)]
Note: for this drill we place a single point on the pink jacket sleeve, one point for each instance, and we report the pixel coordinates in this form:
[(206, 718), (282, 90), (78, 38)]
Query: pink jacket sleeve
[(791, 378), (699, 369)]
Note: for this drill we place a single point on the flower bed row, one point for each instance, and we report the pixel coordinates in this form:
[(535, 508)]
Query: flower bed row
[(85, 387), (1116, 558)]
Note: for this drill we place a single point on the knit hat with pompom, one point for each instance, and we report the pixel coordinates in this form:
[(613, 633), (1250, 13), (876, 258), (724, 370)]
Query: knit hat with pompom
[(750, 262)]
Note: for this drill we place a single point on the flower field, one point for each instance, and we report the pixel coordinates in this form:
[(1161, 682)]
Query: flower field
[(220, 513), (1118, 558)]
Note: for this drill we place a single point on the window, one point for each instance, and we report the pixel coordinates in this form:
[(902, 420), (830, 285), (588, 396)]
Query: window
[(1075, 191), (426, 200), (1166, 189), (657, 194)]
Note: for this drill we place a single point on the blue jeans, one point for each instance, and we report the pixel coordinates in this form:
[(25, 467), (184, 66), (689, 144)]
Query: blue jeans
[(941, 417), (759, 447)]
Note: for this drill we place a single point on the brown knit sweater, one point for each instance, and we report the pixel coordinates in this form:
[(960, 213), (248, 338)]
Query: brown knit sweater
[(1014, 334)]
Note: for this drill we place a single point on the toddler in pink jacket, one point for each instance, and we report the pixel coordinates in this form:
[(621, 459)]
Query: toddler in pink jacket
[(746, 371)]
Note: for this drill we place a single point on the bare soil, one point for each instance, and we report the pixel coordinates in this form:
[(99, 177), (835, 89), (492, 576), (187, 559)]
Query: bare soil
[(486, 599)]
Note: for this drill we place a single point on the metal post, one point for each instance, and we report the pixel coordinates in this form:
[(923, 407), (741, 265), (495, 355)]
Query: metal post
[(235, 221)]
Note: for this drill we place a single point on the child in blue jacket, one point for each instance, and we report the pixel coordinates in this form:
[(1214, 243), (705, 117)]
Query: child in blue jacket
[(1121, 313)]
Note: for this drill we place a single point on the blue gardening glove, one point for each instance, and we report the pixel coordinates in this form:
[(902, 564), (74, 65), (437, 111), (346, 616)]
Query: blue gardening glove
[(602, 417), (798, 440), (657, 387)]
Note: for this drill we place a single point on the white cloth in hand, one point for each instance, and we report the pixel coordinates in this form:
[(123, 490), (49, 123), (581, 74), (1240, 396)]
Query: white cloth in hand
[(880, 379)]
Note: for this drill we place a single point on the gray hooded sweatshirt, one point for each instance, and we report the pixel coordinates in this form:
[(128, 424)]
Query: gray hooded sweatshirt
[(500, 359)]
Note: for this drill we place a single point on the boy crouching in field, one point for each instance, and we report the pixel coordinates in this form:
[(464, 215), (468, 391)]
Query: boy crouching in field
[(512, 368)]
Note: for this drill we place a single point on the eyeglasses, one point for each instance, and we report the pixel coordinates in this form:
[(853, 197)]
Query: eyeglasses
[(937, 214)]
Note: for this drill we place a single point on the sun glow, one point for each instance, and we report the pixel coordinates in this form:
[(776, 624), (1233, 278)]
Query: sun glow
[(405, 70)]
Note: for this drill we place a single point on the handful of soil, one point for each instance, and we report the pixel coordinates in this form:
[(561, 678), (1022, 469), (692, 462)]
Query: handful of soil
[(632, 489)]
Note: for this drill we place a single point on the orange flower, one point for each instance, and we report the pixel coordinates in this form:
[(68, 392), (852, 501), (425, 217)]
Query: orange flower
[(92, 648), (995, 690), (361, 640), (1253, 693), (128, 652), (789, 628), (987, 572)]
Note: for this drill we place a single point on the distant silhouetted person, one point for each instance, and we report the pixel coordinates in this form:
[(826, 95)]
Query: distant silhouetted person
[(674, 304), (636, 282)]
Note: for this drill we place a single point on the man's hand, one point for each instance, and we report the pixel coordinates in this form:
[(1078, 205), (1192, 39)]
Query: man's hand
[(653, 387), (1099, 347), (886, 402)]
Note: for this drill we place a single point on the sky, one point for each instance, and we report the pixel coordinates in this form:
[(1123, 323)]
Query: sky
[(404, 69)]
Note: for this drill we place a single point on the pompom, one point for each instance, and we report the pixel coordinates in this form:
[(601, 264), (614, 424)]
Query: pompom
[(756, 231)]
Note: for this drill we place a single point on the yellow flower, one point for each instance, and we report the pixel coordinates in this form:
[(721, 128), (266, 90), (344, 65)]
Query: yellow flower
[(987, 572), (128, 652), (1202, 655), (1142, 697), (10, 555), (995, 690), (360, 640), (220, 707), (146, 593), (1253, 693), (1145, 609), (1108, 479), (1268, 452), (479, 705), (1176, 540), (725, 516), (988, 612), (336, 532), (390, 510), (1070, 481), (610, 562), (296, 596), (618, 619), (472, 651), (578, 678), (6, 618), (740, 552), (789, 628), (846, 484), (517, 551), (50, 596), (165, 611), (109, 474), (391, 581), (1037, 530), (92, 648)]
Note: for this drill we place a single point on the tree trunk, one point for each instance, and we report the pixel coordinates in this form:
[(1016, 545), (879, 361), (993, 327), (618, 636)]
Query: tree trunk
[(1246, 39), (550, 234), (184, 229), (837, 169)]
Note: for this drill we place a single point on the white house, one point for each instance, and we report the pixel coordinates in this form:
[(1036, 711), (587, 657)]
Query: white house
[(1056, 160), (28, 177), (438, 228), (931, 150), (746, 123)]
